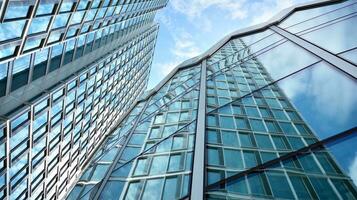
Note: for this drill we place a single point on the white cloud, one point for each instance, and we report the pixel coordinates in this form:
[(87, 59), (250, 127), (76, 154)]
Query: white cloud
[(166, 68), (197, 11), (185, 47), (196, 8), (266, 9), (352, 170), (255, 11), (315, 85)]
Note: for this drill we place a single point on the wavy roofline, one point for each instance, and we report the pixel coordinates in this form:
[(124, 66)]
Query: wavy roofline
[(276, 19)]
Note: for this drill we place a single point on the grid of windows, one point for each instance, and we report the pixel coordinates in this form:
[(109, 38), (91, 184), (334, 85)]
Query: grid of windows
[(151, 153), (35, 65), (270, 124), (30, 25), (269, 119), (51, 139), (253, 120)]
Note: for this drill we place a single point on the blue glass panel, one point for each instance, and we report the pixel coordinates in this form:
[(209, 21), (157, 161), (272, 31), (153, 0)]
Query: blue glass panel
[(82, 5), (19, 120), (152, 189), (66, 6), (3, 78), (313, 99), (263, 141), (16, 9), (40, 64), (60, 21), (20, 72), (56, 57), (229, 138), (54, 37), (280, 186), (170, 189), (233, 159), (301, 16), (257, 125), (19, 137), (77, 17), (343, 36), (44, 8), (10, 30), (227, 122), (214, 156), (257, 184), (32, 43), (39, 24), (323, 188), (99, 172), (159, 165), (112, 190), (6, 51)]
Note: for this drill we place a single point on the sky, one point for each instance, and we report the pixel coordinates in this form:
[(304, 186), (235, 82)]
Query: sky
[(190, 27)]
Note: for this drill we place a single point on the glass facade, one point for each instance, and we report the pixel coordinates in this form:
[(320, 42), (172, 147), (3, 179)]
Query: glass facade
[(64, 31), (69, 71), (270, 114)]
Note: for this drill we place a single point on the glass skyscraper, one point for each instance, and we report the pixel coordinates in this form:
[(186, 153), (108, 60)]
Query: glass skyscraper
[(69, 70), (269, 112)]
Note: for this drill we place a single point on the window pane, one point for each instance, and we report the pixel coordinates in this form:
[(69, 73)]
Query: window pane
[(233, 159), (159, 165), (10, 30), (153, 189), (257, 185), (170, 189), (257, 125), (39, 24), (263, 141), (112, 190), (226, 122), (214, 156), (280, 186), (229, 138)]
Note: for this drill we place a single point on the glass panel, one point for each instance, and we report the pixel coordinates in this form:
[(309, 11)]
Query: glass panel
[(60, 21), (310, 92), (16, 9), (324, 172), (3, 78), (39, 24), (56, 56), (44, 8), (10, 30), (170, 189), (343, 36), (279, 183), (112, 190), (40, 64), (20, 72), (314, 13), (152, 189)]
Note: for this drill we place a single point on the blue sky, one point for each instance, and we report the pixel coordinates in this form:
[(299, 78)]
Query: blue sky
[(190, 27)]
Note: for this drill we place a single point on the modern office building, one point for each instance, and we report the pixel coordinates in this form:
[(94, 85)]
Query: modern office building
[(69, 70), (269, 112)]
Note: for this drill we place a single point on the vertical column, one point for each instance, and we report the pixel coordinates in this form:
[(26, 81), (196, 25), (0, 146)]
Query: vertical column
[(198, 172), (29, 154), (7, 161)]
